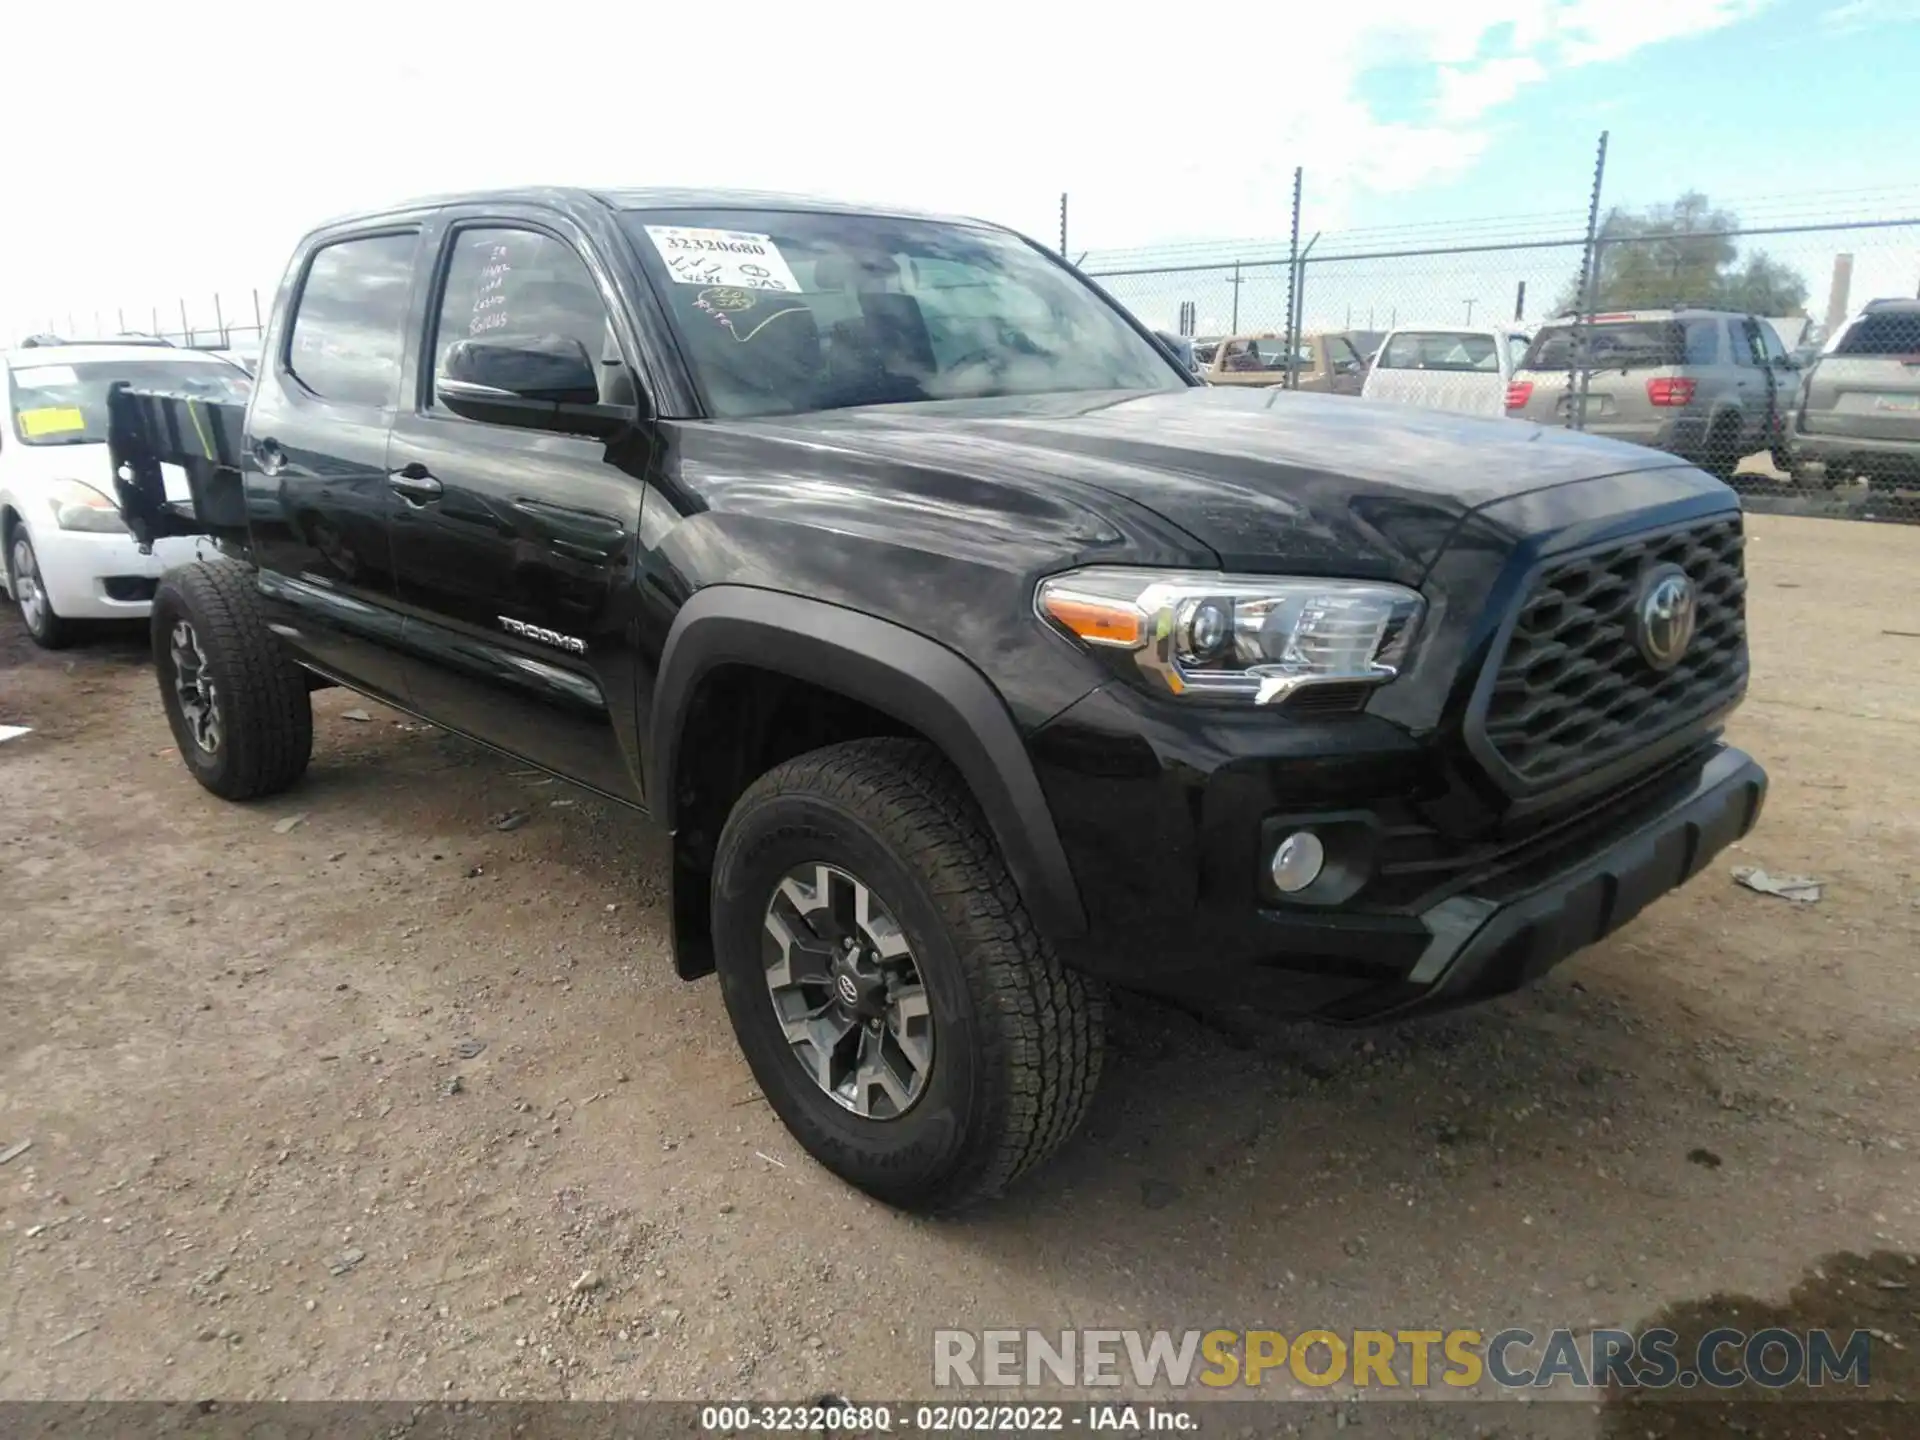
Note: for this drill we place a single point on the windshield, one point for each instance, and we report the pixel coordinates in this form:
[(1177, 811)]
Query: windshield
[(1615, 345), (779, 312), (67, 404)]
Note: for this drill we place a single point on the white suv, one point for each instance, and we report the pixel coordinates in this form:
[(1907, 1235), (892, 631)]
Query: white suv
[(65, 554)]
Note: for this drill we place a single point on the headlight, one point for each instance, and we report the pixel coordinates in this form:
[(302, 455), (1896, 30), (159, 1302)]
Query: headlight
[(78, 506), (1252, 639)]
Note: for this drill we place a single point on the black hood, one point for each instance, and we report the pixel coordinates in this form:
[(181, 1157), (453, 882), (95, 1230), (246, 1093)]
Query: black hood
[(1257, 476)]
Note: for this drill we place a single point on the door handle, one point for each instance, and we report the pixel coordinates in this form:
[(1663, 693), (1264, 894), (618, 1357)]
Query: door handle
[(271, 457), (415, 484), (581, 534)]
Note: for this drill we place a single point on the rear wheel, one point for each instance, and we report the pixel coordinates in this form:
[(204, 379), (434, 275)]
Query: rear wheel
[(47, 629), (237, 705), (1722, 456), (896, 1005)]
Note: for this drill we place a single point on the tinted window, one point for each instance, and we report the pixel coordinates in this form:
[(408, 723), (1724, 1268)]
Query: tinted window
[(1610, 345), (1885, 332), (778, 312), (1703, 342), (350, 327), (1440, 350), (509, 283), (67, 404)]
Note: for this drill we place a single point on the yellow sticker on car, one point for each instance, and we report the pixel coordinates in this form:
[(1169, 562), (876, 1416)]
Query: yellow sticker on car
[(51, 420)]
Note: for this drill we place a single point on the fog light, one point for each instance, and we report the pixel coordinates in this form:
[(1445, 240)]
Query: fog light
[(1297, 862)]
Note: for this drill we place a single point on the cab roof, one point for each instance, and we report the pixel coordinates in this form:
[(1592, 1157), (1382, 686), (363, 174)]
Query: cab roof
[(644, 198)]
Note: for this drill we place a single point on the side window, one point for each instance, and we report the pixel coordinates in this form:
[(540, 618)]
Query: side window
[(350, 328), (1746, 344), (1239, 355), (1703, 342), (1402, 353), (506, 282), (1517, 351), (1770, 346)]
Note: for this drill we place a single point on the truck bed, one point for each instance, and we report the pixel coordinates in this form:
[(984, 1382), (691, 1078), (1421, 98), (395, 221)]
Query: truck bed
[(148, 430)]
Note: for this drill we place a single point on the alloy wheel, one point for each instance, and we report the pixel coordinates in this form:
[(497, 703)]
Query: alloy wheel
[(847, 991), (27, 589), (193, 687)]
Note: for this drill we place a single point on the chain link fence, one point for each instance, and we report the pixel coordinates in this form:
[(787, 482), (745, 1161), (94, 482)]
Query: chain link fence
[(1782, 351)]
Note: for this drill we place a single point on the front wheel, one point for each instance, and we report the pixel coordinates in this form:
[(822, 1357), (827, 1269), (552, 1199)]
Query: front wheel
[(46, 628), (237, 705), (896, 1005)]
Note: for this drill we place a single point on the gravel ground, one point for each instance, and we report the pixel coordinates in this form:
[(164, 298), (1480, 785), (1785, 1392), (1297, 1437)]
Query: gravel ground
[(353, 1093)]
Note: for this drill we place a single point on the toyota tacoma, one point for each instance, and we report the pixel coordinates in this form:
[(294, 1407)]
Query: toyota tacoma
[(974, 656)]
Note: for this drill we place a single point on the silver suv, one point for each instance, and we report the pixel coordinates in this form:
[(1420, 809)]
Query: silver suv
[(1710, 385), (1859, 409)]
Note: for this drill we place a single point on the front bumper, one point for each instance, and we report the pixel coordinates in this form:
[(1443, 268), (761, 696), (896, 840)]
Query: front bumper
[(1494, 938), (1423, 909), (102, 577)]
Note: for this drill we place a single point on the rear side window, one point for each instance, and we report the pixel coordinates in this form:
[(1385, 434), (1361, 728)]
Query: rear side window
[(1611, 345), (1440, 350), (1703, 342), (350, 328), (1884, 333)]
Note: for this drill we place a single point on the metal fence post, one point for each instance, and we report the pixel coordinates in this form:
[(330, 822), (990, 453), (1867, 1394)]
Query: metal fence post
[(1293, 276), (1578, 374), (1063, 231), (1234, 327)]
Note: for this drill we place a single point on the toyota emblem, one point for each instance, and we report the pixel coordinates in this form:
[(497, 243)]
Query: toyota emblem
[(848, 988), (1665, 616)]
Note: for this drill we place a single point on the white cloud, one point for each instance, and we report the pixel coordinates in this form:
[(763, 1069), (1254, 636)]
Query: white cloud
[(183, 157)]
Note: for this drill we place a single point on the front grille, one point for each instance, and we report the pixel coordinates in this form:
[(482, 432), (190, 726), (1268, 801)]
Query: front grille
[(1573, 691)]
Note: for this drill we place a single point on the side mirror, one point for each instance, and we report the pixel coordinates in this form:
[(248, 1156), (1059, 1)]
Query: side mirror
[(535, 382)]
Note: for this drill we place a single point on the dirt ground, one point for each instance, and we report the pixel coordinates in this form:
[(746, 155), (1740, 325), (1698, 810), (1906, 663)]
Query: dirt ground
[(353, 1094)]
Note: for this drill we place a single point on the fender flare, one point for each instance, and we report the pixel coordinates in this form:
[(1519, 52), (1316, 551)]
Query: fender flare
[(918, 682)]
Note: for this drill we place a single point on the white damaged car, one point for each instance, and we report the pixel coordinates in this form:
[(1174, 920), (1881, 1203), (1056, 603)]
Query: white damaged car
[(65, 554)]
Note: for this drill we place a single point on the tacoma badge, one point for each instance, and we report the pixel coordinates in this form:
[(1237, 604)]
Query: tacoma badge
[(544, 636)]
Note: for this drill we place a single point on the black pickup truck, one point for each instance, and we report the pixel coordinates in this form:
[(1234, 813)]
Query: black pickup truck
[(973, 654)]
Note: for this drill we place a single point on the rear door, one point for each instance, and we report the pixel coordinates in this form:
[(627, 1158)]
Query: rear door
[(1867, 386), (515, 546), (315, 468)]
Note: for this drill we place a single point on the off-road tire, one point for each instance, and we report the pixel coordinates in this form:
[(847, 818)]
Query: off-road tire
[(266, 716), (1018, 1038)]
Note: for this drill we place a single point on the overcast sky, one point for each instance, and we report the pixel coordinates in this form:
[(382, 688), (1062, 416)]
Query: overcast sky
[(157, 151)]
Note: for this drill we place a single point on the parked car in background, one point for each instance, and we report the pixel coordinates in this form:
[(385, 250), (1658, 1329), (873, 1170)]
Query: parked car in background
[(65, 554), (1325, 363), (1858, 410), (1445, 367), (1712, 386)]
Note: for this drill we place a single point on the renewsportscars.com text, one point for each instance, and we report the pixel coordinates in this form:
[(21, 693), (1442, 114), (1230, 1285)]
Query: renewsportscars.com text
[(1513, 1359)]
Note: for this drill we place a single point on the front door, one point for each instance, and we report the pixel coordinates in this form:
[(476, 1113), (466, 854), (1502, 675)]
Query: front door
[(316, 469), (515, 546)]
